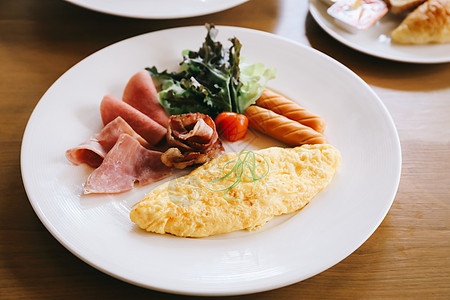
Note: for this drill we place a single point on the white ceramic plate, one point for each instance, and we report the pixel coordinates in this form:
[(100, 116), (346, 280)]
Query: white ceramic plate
[(289, 248), (157, 9), (376, 40)]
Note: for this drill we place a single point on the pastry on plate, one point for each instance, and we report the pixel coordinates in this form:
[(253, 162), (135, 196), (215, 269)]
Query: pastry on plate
[(403, 6), (429, 23)]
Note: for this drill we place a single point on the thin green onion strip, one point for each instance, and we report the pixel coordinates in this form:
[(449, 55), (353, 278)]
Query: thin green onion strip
[(238, 170)]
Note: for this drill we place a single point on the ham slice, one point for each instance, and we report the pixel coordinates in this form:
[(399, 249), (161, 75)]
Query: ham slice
[(127, 162), (151, 131), (94, 150), (140, 92), (193, 139)]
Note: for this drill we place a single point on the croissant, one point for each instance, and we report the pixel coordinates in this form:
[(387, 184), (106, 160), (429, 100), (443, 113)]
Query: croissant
[(429, 23)]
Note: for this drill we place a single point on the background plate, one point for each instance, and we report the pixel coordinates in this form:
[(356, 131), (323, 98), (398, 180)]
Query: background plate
[(376, 40), (157, 9), (286, 250)]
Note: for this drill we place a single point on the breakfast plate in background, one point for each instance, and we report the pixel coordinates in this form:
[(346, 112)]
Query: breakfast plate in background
[(157, 9), (376, 40), (289, 249)]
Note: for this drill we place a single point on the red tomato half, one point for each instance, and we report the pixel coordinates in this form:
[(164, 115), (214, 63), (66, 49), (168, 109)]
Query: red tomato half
[(232, 126)]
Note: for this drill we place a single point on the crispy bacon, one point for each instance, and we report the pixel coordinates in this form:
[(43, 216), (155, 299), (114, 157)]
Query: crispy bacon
[(193, 139)]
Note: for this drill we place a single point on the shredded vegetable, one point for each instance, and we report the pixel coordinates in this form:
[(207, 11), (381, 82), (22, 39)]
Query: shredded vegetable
[(245, 161)]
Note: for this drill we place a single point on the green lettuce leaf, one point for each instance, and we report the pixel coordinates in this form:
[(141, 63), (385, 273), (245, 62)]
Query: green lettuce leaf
[(211, 80), (253, 78)]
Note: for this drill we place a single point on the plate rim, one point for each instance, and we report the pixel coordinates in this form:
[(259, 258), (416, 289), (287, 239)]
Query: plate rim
[(69, 246), (156, 16), (314, 11)]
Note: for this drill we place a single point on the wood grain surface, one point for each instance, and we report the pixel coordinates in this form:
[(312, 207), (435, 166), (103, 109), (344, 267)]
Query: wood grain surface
[(408, 256)]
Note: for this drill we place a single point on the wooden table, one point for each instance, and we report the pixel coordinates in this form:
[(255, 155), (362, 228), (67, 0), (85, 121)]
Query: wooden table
[(407, 257)]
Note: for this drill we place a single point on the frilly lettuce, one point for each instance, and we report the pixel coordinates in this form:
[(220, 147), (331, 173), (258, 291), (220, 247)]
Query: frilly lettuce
[(254, 78), (212, 80)]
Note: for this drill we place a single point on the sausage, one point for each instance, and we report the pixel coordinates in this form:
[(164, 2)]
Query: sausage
[(283, 106), (281, 128)]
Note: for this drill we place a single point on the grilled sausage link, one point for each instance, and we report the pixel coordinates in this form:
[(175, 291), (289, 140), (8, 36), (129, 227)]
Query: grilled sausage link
[(291, 110), (282, 128)]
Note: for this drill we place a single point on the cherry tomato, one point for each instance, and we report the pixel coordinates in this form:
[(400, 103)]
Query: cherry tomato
[(232, 126)]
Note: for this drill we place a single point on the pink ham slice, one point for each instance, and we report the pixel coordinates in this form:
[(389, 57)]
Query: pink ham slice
[(95, 149), (140, 92), (126, 163), (151, 131)]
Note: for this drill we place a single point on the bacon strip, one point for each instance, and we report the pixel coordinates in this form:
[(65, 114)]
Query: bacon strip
[(194, 140)]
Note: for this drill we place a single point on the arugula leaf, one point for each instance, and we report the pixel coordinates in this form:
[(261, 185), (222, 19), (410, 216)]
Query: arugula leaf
[(210, 80)]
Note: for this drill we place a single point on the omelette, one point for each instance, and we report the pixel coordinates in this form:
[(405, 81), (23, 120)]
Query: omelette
[(237, 191)]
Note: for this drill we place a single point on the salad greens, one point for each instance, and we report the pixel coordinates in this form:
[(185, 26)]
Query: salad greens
[(212, 80)]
